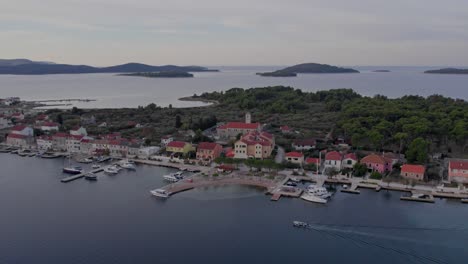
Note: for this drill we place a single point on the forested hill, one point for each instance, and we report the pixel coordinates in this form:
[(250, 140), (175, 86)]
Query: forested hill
[(448, 71), (369, 122), (307, 68)]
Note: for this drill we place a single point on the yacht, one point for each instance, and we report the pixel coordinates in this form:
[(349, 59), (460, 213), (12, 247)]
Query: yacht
[(160, 193), (313, 198), (87, 160), (73, 170), (91, 177), (96, 166), (318, 191), (300, 224), (171, 178), (127, 165)]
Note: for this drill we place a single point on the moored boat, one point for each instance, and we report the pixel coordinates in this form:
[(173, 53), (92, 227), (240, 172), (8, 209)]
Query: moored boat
[(72, 170), (312, 198), (91, 177), (111, 170), (160, 193)]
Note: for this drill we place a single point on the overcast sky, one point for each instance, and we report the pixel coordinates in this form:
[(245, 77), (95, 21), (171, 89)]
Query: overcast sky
[(237, 32)]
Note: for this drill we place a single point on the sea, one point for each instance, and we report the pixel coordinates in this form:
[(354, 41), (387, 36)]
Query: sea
[(112, 91), (116, 220)]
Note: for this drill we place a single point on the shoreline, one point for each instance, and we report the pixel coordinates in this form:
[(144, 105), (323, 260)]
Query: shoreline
[(199, 99)]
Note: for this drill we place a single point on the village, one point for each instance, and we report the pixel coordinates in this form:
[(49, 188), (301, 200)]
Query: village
[(235, 145)]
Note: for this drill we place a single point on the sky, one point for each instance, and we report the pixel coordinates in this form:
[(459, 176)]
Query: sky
[(239, 32)]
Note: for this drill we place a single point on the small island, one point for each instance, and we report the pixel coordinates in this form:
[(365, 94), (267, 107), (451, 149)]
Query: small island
[(448, 71), (168, 74), (307, 68), (381, 71)]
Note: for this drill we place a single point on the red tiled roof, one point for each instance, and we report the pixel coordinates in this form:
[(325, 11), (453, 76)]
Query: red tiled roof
[(176, 144), (350, 156), (333, 155), (240, 125), (50, 124), (60, 135), (18, 128), (76, 137), (230, 154), (458, 165), (44, 137), (17, 136), (207, 145), (413, 168), (16, 114), (285, 128), (312, 160), (374, 158), (294, 154)]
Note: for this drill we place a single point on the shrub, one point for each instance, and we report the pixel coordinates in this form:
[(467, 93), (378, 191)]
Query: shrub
[(376, 175)]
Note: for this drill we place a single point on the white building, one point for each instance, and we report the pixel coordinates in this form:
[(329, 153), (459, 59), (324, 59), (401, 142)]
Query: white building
[(166, 140), (44, 143), (79, 131), (73, 143), (49, 126), (146, 152), (22, 130), (333, 160)]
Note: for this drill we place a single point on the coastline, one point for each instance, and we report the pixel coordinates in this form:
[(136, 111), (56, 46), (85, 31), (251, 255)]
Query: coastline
[(199, 99)]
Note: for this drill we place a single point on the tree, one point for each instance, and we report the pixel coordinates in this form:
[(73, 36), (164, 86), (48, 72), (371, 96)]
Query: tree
[(331, 172), (376, 175), (60, 119), (178, 122), (359, 169), (401, 137), (417, 150)]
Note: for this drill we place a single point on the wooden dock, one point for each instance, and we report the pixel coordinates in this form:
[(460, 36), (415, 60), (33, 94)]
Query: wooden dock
[(79, 176), (352, 190), (428, 199), (275, 197)]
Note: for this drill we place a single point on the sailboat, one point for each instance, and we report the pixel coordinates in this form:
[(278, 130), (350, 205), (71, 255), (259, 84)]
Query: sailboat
[(72, 169)]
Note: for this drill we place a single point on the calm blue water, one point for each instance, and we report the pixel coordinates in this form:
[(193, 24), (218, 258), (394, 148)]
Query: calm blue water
[(115, 220), (123, 91)]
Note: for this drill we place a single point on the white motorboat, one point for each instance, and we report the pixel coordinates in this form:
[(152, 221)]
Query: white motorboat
[(96, 166), (127, 165), (171, 178), (160, 193), (111, 170), (72, 170), (312, 198), (320, 192)]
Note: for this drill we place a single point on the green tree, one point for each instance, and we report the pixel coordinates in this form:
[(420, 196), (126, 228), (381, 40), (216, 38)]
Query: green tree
[(359, 169), (178, 122), (417, 150)]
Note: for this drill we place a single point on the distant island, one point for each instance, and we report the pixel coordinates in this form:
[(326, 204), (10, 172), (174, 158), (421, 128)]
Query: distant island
[(307, 68), (27, 67), (448, 71), (381, 71), (168, 74)]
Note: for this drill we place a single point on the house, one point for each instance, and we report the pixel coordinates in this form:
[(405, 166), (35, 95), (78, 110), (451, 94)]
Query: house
[(59, 141), (304, 144), (315, 161), (49, 126), (349, 160), (377, 163), (254, 145), (17, 116), (285, 129), (208, 151), (42, 118), (147, 152), (396, 158), (100, 147), (333, 160), (22, 130), (4, 122), (232, 129), (44, 143), (179, 147), (413, 172), (86, 146), (118, 148), (73, 143), (78, 131), (295, 157), (166, 140), (458, 171), (19, 140)]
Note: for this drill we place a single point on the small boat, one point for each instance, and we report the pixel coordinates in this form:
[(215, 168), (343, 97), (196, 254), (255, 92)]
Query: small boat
[(96, 166), (300, 224), (127, 165), (87, 160), (14, 152), (345, 186), (111, 170), (294, 179), (91, 177), (293, 184), (160, 193), (171, 178), (312, 198), (72, 170), (50, 156)]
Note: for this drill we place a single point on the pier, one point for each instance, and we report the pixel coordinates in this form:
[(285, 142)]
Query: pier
[(425, 198), (79, 176)]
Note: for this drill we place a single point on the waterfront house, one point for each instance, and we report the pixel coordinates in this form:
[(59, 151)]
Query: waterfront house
[(42, 118), (254, 145), (396, 158), (17, 116), (208, 151), (118, 147), (22, 130), (59, 141), (458, 171), (377, 163), (100, 147), (413, 172), (285, 129), (349, 160), (166, 140), (44, 143), (19, 140), (333, 160), (295, 157), (79, 131), (179, 147), (304, 144), (86, 146), (146, 152), (73, 143), (49, 126)]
